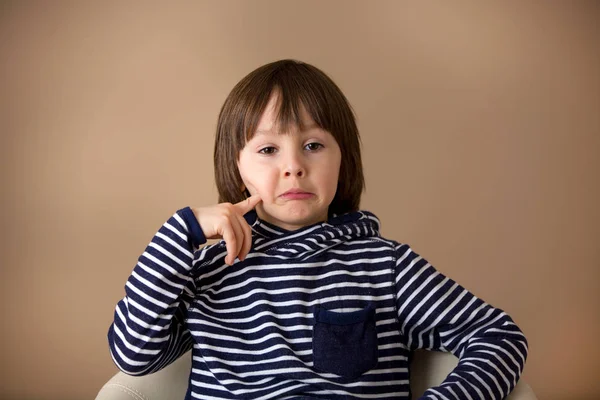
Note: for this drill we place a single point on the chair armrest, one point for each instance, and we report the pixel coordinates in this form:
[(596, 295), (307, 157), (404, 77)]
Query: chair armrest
[(168, 383)]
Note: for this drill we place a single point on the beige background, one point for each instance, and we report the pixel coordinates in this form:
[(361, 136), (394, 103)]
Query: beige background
[(481, 133)]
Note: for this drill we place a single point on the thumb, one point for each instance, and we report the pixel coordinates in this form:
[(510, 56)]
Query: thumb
[(245, 206)]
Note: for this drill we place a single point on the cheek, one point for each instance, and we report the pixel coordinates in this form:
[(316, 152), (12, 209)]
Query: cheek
[(260, 180), (332, 183), (334, 164)]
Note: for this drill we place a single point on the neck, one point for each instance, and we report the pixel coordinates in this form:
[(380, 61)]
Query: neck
[(289, 224)]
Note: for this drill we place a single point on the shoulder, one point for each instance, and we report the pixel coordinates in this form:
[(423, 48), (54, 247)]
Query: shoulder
[(370, 217)]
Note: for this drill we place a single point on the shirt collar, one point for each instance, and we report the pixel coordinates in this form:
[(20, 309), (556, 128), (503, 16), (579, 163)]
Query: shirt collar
[(338, 228)]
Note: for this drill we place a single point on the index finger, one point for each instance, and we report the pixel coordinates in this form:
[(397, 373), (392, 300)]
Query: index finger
[(246, 205)]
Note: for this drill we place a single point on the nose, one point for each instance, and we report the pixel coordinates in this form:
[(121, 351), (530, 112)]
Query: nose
[(294, 166), (297, 172)]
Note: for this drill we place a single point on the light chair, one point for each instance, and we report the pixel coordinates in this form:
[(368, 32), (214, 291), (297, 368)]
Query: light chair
[(428, 369)]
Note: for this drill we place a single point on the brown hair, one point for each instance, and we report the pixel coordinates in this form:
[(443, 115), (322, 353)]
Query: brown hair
[(298, 85)]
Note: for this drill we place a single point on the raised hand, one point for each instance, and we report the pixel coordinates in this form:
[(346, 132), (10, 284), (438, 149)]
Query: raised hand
[(227, 221)]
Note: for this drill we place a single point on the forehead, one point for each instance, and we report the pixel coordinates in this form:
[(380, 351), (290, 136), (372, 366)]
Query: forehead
[(273, 118)]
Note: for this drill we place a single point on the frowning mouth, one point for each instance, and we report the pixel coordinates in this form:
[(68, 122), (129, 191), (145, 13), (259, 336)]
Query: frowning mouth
[(296, 194)]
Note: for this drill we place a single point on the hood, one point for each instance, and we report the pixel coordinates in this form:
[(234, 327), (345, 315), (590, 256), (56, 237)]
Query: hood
[(313, 239)]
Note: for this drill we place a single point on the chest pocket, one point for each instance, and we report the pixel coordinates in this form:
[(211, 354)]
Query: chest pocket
[(345, 344)]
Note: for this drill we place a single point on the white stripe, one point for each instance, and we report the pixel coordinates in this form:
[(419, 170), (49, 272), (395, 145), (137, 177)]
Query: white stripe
[(265, 388), (266, 228), (416, 308), (518, 352), (270, 372), (362, 395), (489, 362), (449, 388), (360, 383), (364, 250), (292, 251), (437, 321), (298, 290), (289, 238), (414, 278), (409, 267), (251, 330), (507, 332), (468, 320), (226, 350), (181, 222), (392, 346), (278, 392), (438, 393), (259, 315), (316, 242), (356, 243), (211, 397), (256, 362), (393, 358), (165, 266), (297, 303), (465, 338), (461, 387), (238, 391), (479, 392), (387, 371), (286, 267), (168, 254), (136, 334), (226, 382), (131, 303), (285, 278), (145, 296), (431, 309), (412, 296), (492, 377), (386, 321), (304, 246), (495, 354), (489, 389), (242, 341), (175, 231), (130, 346), (128, 360), (151, 285), (160, 276), (175, 245)]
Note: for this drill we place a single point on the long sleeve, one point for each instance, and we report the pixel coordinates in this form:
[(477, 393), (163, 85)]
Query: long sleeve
[(436, 313), (148, 331)]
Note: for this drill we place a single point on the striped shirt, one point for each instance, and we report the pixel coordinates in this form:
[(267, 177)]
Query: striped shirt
[(329, 311)]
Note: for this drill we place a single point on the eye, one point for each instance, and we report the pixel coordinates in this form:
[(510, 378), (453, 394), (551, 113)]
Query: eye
[(267, 150), (314, 146)]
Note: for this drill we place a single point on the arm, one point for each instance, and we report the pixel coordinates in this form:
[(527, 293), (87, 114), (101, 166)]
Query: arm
[(436, 313), (148, 331)]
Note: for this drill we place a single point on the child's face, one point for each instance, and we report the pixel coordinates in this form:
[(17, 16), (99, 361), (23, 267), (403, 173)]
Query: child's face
[(272, 164)]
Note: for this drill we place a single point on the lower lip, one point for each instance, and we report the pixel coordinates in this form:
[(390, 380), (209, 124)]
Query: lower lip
[(297, 196)]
